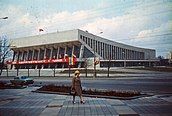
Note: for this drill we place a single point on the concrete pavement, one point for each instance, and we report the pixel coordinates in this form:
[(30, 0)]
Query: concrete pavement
[(23, 102)]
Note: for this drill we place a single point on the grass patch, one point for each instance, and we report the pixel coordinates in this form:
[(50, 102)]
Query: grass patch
[(160, 69)]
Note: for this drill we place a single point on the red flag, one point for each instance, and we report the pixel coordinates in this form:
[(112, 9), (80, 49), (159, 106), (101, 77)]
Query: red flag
[(41, 30), (73, 55)]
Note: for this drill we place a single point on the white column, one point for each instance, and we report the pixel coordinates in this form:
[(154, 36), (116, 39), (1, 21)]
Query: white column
[(27, 55), (33, 54), (45, 52), (21, 57), (81, 52), (51, 53), (58, 49), (65, 51), (73, 48), (39, 54), (64, 55)]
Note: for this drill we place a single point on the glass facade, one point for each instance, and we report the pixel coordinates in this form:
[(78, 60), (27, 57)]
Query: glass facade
[(108, 51)]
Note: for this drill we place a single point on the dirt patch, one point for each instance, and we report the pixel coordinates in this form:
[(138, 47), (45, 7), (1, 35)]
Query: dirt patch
[(97, 71), (4, 85), (160, 69), (98, 92)]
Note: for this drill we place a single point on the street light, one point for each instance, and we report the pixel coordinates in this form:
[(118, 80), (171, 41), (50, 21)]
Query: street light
[(4, 18), (94, 76)]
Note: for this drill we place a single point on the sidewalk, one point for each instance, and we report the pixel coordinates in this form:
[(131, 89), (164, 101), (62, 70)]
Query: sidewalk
[(23, 102), (92, 106)]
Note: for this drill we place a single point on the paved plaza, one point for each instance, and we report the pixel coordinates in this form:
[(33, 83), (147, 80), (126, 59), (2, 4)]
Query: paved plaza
[(23, 102)]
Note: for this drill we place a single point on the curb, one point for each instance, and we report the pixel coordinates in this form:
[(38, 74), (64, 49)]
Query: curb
[(96, 96)]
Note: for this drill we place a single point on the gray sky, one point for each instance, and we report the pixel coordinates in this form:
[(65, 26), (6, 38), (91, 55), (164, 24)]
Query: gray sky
[(142, 23)]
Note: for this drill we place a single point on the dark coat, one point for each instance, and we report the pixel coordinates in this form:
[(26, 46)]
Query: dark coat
[(76, 86)]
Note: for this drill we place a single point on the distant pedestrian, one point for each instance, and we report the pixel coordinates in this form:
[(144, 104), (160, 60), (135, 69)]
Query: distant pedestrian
[(76, 87)]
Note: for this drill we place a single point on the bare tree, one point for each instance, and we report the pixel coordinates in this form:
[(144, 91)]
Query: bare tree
[(160, 57), (5, 52)]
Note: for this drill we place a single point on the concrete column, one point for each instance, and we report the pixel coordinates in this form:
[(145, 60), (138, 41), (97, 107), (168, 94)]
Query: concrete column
[(73, 48), (81, 52), (45, 52), (33, 53), (27, 56), (17, 58), (96, 46), (58, 50), (51, 53), (116, 52), (14, 55), (21, 56), (100, 49), (64, 55), (65, 51), (104, 55), (39, 54), (129, 54), (105, 51), (111, 52)]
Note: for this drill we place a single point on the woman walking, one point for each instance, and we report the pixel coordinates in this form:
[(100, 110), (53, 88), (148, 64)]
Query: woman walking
[(76, 87)]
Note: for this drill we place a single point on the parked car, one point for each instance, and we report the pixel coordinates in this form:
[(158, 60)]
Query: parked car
[(22, 80)]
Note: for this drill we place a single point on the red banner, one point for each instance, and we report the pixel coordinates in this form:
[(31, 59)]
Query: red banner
[(41, 61), (46, 61)]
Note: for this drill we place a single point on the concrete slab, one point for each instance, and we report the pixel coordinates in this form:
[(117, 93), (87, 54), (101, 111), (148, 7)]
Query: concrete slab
[(61, 105), (125, 111), (168, 99), (4, 102), (56, 103), (60, 97), (53, 111), (115, 102)]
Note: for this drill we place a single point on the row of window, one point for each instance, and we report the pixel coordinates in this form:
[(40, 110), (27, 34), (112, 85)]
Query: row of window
[(112, 52)]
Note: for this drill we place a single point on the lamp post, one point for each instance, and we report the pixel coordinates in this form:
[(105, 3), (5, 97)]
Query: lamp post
[(94, 76), (4, 18), (109, 61)]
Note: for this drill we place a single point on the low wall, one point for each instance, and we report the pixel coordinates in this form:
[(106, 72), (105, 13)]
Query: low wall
[(31, 72)]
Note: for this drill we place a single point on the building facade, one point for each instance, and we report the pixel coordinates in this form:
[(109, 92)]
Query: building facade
[(50, 50)]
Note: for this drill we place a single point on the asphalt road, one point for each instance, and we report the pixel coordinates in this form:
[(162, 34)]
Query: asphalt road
[(156, 86), (147, 84)]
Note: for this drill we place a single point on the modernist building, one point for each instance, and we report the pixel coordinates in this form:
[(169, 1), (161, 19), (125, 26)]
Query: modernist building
[(49, 50)]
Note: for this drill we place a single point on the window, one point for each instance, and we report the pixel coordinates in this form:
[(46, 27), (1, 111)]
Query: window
[(80, 36), (86, 41), (89, 41)]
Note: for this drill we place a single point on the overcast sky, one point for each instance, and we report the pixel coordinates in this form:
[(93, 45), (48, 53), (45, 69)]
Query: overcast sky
[(142, 23)]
